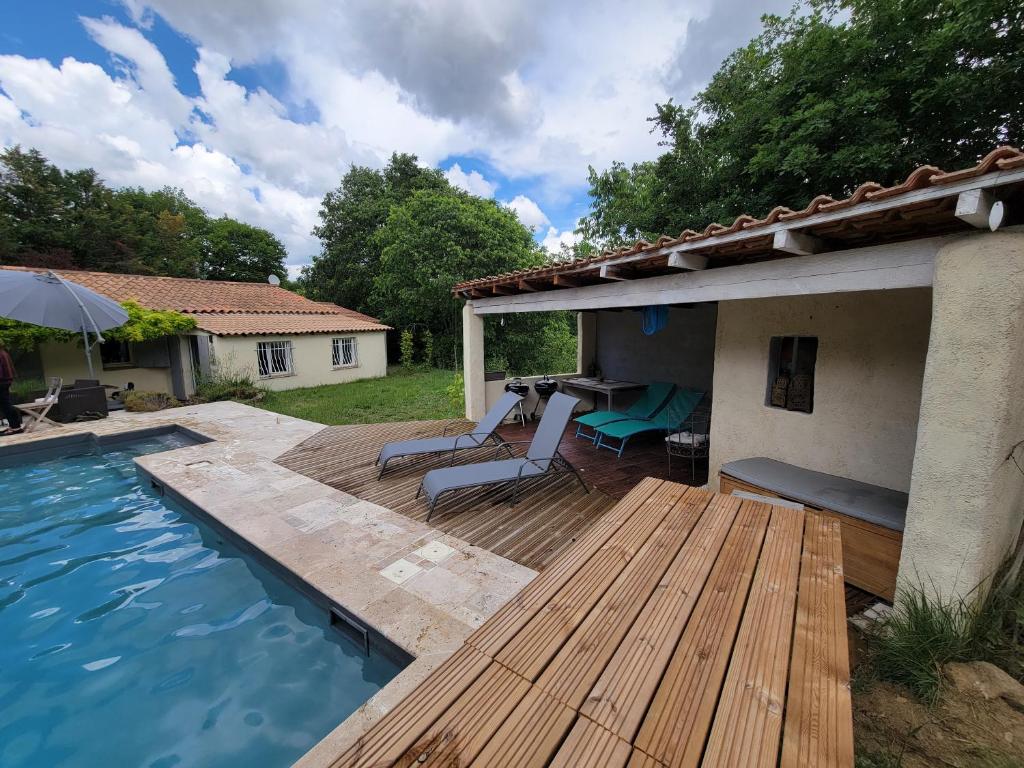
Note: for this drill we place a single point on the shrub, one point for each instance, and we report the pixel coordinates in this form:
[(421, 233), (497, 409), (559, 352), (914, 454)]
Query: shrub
[(24, 390), (406, 349), (223, 383), (145, 402), (428, 349), (456, 392)]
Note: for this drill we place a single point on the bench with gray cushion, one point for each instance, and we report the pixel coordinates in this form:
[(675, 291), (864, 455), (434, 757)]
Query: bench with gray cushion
[(542, 458), (871, 517), (872, 503), (480, 435)]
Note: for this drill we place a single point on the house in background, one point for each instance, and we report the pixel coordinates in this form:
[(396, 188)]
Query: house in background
[(284, 340), (896, 311)]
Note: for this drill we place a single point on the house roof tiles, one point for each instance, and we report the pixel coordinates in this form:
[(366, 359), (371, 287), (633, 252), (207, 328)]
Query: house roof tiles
[(224, 307)]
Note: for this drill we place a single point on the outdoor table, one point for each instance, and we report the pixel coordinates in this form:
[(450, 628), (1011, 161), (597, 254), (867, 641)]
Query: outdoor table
[(608, 387)]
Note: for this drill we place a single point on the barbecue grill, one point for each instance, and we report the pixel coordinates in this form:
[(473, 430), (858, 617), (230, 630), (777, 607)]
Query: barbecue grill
[(544, 388), (517, 386)]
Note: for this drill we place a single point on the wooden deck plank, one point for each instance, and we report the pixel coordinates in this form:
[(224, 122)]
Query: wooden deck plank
[(665, 636), (530, 735), (581, 659), (620, 697), (549, 516), (590, 744), (389, 739), (675, 726), (748, 722), (463, 728), (503, 626), (537, 641), (818, 727)]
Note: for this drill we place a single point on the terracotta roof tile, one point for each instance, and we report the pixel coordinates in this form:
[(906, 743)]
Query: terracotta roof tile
[(243, 307), (999, 159), (255, 324)]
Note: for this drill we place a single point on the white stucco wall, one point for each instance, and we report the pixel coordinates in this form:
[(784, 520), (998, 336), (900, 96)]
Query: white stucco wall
[(311, 356), (966, 496), (67, 360), (867, 389)]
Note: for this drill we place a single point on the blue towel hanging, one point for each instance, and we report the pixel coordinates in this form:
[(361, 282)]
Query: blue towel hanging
[(655, 319)]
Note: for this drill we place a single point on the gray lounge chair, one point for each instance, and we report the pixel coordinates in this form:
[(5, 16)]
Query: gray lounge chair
[(542, 458), (480, 435)]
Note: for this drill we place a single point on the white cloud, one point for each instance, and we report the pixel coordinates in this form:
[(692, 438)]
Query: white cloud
[(554, 240), (528, 211), (472, 182), (539, 91)]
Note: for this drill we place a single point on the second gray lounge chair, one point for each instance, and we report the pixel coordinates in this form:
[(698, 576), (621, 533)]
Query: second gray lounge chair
[(480, 435), (541, 458)]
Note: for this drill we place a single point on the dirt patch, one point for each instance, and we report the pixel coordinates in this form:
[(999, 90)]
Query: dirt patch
[(972, 725)]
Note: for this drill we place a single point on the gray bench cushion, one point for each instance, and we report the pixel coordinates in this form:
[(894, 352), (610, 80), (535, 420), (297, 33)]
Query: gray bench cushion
[(870, 503)]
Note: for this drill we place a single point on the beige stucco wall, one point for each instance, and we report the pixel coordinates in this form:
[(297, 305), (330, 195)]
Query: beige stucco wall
[(867, 389), (966, 497), (67, 360), (311, 356)]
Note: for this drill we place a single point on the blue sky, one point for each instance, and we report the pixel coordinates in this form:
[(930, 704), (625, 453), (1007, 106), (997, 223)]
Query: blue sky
[(257, 107)]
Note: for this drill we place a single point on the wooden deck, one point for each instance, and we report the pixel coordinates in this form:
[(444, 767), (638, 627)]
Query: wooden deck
[(550, 514), (684, 628)]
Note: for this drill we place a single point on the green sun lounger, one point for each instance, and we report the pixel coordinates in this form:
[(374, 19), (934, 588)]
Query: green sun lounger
[(651, 401), (669, 419)]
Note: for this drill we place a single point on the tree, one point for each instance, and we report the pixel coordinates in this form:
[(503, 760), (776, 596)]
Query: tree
[(350, 216), (431, 242), (837, 93), (72, 220), (242, 252), (166, 229)]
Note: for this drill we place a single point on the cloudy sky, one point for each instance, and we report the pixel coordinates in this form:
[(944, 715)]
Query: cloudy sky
[(257, 107)]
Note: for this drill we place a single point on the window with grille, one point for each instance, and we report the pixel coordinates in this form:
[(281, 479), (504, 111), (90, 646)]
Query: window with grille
[(343, 352), (274, 358)]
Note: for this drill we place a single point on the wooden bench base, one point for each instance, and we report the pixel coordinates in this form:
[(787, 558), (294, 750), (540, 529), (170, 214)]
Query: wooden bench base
[(871, 553)]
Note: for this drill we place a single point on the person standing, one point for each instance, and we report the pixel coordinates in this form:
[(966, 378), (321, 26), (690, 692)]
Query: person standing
[(7, 374)]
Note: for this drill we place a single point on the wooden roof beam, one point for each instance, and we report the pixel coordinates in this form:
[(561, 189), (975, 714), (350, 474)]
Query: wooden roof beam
[(503, 290), (688, 261), (797, 243), (526, 285), (564, 281), (610, 272), (979, 208)]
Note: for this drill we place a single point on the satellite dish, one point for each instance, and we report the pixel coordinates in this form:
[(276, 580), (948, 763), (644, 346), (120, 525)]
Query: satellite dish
[(274, 280)]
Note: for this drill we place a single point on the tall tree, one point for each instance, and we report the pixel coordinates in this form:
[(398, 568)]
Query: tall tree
[(166, 229), (350, 216), (837, 93), (241, 252), (436, 239)]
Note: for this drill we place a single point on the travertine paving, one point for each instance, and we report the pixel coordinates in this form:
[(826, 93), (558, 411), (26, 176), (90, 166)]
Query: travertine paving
[(424, 590)]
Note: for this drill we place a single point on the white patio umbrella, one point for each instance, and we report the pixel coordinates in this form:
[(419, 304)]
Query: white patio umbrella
[(46, 299)]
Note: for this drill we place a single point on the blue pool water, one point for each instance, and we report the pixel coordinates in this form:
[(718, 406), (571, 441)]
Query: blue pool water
[(130, 635)]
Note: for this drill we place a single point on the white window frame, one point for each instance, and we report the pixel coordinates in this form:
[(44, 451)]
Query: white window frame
[(337, 353), (279, 356)]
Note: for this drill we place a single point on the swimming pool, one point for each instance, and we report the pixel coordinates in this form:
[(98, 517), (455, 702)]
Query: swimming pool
[(133, 634)]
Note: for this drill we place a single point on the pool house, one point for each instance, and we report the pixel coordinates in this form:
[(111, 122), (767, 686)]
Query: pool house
[(860, 356)]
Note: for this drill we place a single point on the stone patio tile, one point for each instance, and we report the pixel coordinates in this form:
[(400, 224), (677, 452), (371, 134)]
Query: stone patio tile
[(443, 589), (400, 571), (303, 554), (353, 587), (415, 625)]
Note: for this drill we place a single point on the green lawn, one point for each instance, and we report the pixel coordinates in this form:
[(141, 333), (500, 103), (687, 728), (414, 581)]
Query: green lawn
[(401, 396)]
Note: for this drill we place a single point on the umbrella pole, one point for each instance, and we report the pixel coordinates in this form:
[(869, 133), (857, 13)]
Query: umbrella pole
[(88, 353)]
